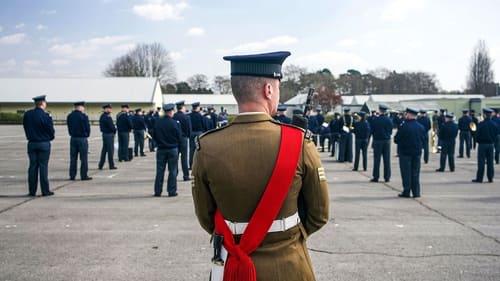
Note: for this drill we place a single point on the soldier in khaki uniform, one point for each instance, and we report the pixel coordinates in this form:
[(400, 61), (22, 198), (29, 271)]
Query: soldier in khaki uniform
[(244, 165)]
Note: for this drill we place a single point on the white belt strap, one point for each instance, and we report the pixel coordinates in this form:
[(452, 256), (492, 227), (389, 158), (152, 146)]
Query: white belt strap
[(276, 226)]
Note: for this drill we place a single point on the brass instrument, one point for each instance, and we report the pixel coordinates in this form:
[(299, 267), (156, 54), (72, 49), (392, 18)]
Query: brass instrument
[(472, 126), (147, 136)]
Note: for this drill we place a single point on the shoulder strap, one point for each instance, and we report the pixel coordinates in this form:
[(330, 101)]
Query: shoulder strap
[(239, 264)]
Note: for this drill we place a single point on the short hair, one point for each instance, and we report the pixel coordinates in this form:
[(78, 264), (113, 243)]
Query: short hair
[(39, 103), (246, 88)]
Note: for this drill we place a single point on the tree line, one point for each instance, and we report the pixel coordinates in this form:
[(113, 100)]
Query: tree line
[(153, 60)]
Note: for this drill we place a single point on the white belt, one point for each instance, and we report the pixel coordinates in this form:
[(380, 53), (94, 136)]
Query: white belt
[(276, 226)]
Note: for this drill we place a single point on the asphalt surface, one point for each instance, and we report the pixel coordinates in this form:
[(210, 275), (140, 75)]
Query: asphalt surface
[(111, 228)]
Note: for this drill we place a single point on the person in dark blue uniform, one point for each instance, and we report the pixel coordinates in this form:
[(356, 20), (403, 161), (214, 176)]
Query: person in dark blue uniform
[(370, 118), (345, 144), (213, 115), (440, 123), (381, 132), (447, 136), (319, 117), (362, 132), (124, 126), (486, 135), (409, 138), (496, 119), (207, 118), (167, 135), (39, 131), (324, 135), (473, 133), (79, 130), (150, 125), (281, 115), (108, 131), (426, 122), (465, 134), (185, 123), (335, 129), (197, 126), (139, 126)]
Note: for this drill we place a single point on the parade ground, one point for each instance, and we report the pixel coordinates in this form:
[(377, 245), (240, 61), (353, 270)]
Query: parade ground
[(112, 228)]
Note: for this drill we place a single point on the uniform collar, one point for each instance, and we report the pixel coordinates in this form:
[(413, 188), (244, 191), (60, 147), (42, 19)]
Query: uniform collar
[(252, 117)]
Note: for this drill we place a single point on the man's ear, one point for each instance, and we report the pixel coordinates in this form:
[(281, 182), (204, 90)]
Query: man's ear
[(268, 90)]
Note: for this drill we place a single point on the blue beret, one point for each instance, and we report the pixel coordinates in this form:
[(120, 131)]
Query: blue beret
[(383, 106), (195, 104), (449, 115), (79, 103), (362, 113), (138, 109), (125, 105), (180, 102), (39, 98), (210, 107), (465, 110), (260, 65), (168, 107), (442, 109), (106, 106), (318, 108), (411, 110), (422, 111), (487, 110), (281, 107), (347, 109), (473, 111), (297, 111)]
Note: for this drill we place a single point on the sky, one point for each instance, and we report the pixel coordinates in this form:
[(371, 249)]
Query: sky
[(77, 38)]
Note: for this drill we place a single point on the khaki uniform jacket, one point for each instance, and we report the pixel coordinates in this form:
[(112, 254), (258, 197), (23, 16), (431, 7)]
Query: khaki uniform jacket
[(231, 169)]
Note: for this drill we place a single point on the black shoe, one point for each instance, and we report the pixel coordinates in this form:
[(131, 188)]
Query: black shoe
[(387, 180), (72, 178), (354, 169), (127, 160), (403, 195), (490, 180), (439, 170), (157, 195), (187, 179), (460, 157), (364, 170), (135, 155), (374, 180), (173, 195), (452, 170), (86, 178), (50, 193), (143, 154), (474, 180), (121, 160), (100, 167), (113, 168), (31, 194), (416, 196)]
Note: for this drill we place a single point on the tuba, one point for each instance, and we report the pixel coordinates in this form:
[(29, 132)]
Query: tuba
[(472, 126)]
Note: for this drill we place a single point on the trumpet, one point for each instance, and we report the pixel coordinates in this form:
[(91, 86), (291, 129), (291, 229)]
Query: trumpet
[(472, 126)]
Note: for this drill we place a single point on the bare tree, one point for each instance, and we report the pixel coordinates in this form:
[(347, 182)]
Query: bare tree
[(481, 75), (222, 84), (293, 72), (198, 82), (145, 60)]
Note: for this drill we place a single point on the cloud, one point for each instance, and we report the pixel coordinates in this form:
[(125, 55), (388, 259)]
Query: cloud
[(272, 43), (48, 12), (176, 55), (8, 65), (31, 63), (398, 10), (12, 39), (41, 26), (336, 61), (159, 10), (87, 48), (123, 48), (1, 28), (60, 62), (196, 31), (20, 25), (348, 42)]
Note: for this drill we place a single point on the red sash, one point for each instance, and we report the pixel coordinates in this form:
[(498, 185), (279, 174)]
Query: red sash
[(239, 266)]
